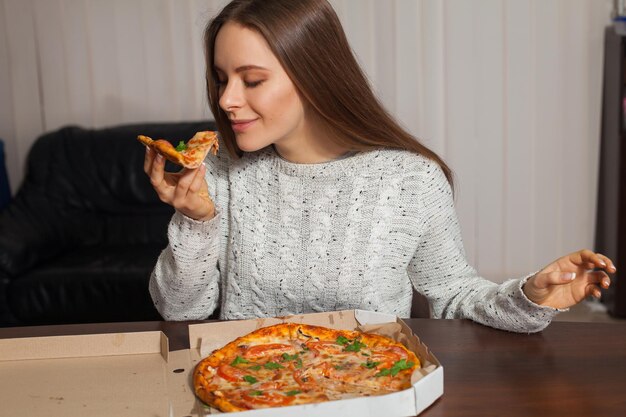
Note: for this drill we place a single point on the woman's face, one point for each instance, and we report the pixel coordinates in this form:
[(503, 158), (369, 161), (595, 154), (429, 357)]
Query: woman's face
[(255, 92)]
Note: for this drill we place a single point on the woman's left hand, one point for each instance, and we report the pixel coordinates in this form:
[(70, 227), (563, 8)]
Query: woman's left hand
[(570, 279)]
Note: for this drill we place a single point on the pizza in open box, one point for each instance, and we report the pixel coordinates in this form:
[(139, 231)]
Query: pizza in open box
[(290, 364)]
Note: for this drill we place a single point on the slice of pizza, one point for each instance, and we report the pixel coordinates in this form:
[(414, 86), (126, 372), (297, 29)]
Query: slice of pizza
[(188, 155)]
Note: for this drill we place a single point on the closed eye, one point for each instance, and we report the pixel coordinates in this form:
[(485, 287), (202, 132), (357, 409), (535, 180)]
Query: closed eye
[(252, 84)]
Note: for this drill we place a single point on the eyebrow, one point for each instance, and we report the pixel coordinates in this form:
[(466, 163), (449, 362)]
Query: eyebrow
[(244, 68)]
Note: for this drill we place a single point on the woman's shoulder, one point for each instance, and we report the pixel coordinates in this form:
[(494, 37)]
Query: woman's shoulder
[(408, 163)]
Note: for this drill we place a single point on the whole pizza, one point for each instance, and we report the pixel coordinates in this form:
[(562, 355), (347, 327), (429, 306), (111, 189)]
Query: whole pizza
[(292, 364)]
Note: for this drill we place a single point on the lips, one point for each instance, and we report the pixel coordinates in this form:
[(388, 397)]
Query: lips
[(242, 125)]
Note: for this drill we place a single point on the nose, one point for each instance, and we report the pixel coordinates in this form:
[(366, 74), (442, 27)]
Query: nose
[(231, 97)]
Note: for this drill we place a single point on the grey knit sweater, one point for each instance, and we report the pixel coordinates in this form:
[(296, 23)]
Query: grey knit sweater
[(358, 232)]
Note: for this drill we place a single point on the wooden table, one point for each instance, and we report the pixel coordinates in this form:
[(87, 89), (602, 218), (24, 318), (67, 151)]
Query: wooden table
[(570, 369)]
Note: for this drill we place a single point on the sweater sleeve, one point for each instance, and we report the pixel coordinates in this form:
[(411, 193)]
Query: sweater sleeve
[(439, 269), (184, 284)]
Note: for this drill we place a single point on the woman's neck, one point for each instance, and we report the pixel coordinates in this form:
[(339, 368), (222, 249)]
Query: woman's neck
[(313, 147)]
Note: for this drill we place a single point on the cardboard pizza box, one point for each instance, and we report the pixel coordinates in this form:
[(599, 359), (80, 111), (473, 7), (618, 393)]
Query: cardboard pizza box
[(427, 381), (134, 374)]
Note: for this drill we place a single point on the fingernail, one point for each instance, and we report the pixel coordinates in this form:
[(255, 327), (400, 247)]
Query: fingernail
[(603, 263), (569, 276)]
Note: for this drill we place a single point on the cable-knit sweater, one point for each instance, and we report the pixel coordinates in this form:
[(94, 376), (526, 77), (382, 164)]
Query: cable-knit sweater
[(358, 232)]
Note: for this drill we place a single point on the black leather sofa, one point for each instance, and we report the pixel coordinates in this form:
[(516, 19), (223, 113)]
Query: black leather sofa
[(81, 236)]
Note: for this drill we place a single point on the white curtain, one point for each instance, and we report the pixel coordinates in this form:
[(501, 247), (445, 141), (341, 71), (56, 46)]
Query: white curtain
[(507, 91)]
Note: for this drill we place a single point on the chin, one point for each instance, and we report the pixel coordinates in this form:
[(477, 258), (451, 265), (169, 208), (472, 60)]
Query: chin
[(249, 145)]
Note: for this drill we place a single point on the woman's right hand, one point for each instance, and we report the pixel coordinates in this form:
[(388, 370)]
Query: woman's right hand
[(187, 191)]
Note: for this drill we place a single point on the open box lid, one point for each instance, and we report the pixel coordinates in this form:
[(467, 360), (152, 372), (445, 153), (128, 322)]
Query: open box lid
[(120, 374), (427, 382)]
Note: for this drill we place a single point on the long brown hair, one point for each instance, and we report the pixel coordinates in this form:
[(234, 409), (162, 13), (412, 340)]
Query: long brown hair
[(308, 40)]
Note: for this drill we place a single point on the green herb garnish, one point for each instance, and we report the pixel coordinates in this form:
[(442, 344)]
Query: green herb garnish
[(292, 393), (288, 357), (238, 360), (299, 363), (255, 367), (401, 365), (250, 379), (370, 365), (181, 146), (255, 393), (354, 346), (342, 340), (273, 365)]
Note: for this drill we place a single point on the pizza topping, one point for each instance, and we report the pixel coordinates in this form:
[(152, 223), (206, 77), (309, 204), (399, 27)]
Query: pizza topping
[(250, 379), (293, 392), (230, 373), (181, 146), (273, 365), (267, 399), (267, 350), (350, 345), (320, 347), (355, 346), (370, 365), (238, 360), (401, 365)]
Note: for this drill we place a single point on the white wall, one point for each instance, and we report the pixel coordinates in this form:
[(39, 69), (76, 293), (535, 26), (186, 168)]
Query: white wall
[(507, 91)]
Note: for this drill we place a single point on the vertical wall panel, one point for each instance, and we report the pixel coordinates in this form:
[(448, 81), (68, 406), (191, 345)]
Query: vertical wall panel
[(158, 49), (105, 35), (431, 76), (596, 20), (7, 134), (131, 52), (52, 70), (461, 113), (406, 37), (23, 67), (78, 64), (548, 135), (182, 43), (488, 154), (576, 184), (385, 49), (518, 119)]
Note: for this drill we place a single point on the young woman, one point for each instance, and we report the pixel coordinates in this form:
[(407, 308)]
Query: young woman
[(322, 202)]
